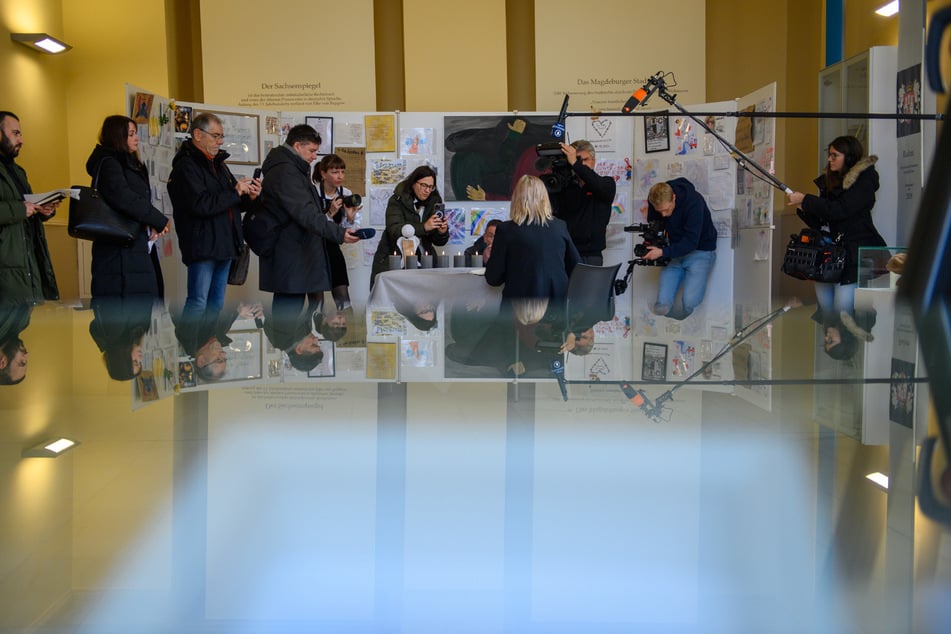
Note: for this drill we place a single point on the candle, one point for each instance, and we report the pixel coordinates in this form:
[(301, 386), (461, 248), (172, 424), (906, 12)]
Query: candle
[(426, 261), (459, 261), (395, 262), (442, 261), (476, 260), (412, 263)]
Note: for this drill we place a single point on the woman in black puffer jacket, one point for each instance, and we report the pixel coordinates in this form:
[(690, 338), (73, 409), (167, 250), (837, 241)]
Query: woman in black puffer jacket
[(843, 206), (123, 181)]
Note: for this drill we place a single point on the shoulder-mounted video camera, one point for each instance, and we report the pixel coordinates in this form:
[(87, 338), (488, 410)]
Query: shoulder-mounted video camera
[(652, 234), (555, 170)]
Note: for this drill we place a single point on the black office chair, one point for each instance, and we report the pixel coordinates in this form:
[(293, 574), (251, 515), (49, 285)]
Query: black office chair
[(590, 299)]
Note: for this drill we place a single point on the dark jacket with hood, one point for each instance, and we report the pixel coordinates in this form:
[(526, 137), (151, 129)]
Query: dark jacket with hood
[(690, 226), (207, 209), (401, 210), (586, 208), (125, 271), (26, 270), (847, 210), (299, 262)]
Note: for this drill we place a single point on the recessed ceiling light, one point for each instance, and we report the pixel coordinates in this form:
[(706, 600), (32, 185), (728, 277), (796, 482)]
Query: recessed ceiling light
[(888, 10)]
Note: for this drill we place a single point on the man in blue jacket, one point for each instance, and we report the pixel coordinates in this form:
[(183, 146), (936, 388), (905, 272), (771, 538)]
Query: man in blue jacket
[(692, 247)]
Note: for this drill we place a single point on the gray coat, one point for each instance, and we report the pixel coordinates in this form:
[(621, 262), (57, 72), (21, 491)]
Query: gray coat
[(299, 263)]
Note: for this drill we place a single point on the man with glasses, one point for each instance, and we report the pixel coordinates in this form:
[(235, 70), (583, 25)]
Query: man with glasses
[(585, 202), (207, 201)]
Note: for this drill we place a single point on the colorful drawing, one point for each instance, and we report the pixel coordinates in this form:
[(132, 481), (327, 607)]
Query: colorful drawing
[(417, 141), (481, 217), (387, 171), (456, 218)]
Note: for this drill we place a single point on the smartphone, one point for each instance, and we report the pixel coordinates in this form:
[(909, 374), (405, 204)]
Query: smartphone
[(257, 174), (440, 210)]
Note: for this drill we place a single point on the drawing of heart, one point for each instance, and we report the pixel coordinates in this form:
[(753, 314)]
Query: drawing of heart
[(601, 126)]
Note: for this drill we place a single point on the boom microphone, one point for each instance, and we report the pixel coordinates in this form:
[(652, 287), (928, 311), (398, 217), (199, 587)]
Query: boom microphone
[(642, 94), (558, 130)]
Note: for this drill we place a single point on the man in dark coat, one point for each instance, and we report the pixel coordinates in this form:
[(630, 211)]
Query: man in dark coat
[(585, 202), (298, 268), (207, 201), (26, 271)]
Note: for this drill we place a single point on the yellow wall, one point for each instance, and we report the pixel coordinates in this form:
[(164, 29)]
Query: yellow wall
[(301, 55), (455, 56)]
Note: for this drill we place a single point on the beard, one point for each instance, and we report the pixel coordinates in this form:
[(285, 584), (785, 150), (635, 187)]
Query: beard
[(7, 148)]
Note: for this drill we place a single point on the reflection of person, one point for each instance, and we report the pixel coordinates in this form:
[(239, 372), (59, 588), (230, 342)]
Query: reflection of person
[(844, 204), (483, 243), (692, 247), (843, 331), (14, 318), (532, 254), (298, 336), (413, 203), (585, 202), (207, 201), (329, 175), (123, 182), (298, 269), (26, 271), (205, 340), (117, 327)]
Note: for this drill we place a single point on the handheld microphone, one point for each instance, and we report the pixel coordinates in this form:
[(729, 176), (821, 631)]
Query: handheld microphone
[(642, 94), (558, 369), (558, 130)]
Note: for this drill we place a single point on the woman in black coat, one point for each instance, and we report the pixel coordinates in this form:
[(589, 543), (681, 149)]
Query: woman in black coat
[(844, 205), (123, 181), (412, 203)]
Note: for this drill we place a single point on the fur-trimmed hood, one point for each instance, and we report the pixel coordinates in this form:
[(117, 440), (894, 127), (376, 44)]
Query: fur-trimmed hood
[(852, 175)]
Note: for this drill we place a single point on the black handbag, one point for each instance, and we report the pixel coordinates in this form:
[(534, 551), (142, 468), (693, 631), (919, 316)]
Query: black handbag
[(238, 273), (91, 218), (815, 255)]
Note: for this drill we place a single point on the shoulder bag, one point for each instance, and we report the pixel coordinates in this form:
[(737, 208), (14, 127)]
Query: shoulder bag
[(91, 218)]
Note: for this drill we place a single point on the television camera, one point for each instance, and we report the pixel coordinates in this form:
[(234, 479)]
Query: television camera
[(652, 235), (555, 170)]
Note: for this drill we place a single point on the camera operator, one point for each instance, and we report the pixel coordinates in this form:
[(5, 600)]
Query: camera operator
[(692, 247), (584, 203)]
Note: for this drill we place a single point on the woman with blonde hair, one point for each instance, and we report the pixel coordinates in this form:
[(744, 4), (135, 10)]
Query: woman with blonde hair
[(532, 254)]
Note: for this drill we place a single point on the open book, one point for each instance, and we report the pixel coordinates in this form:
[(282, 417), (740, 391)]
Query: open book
[(51, 196)]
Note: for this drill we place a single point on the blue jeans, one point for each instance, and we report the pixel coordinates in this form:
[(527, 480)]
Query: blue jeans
[(207, 281), (835, 298), (693, 271)]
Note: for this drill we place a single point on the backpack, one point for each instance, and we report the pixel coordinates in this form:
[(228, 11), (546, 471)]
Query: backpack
[(261, 230)]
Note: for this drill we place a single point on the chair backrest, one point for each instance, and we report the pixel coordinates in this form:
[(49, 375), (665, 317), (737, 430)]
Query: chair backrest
[(591, 295)]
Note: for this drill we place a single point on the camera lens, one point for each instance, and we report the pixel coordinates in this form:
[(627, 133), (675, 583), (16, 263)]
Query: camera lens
[(353, 200), (640, 250)]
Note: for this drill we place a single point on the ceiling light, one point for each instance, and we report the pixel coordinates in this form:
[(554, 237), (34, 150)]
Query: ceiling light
[(41, 42), (879, 478), (50, 448), (888, 10)]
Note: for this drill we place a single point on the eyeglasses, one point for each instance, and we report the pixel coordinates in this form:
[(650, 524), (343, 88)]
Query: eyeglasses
[(215, 135), (426, 187)]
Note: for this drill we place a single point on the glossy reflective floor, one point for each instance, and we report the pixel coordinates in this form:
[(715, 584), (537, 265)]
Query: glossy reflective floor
[(453, 506)]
